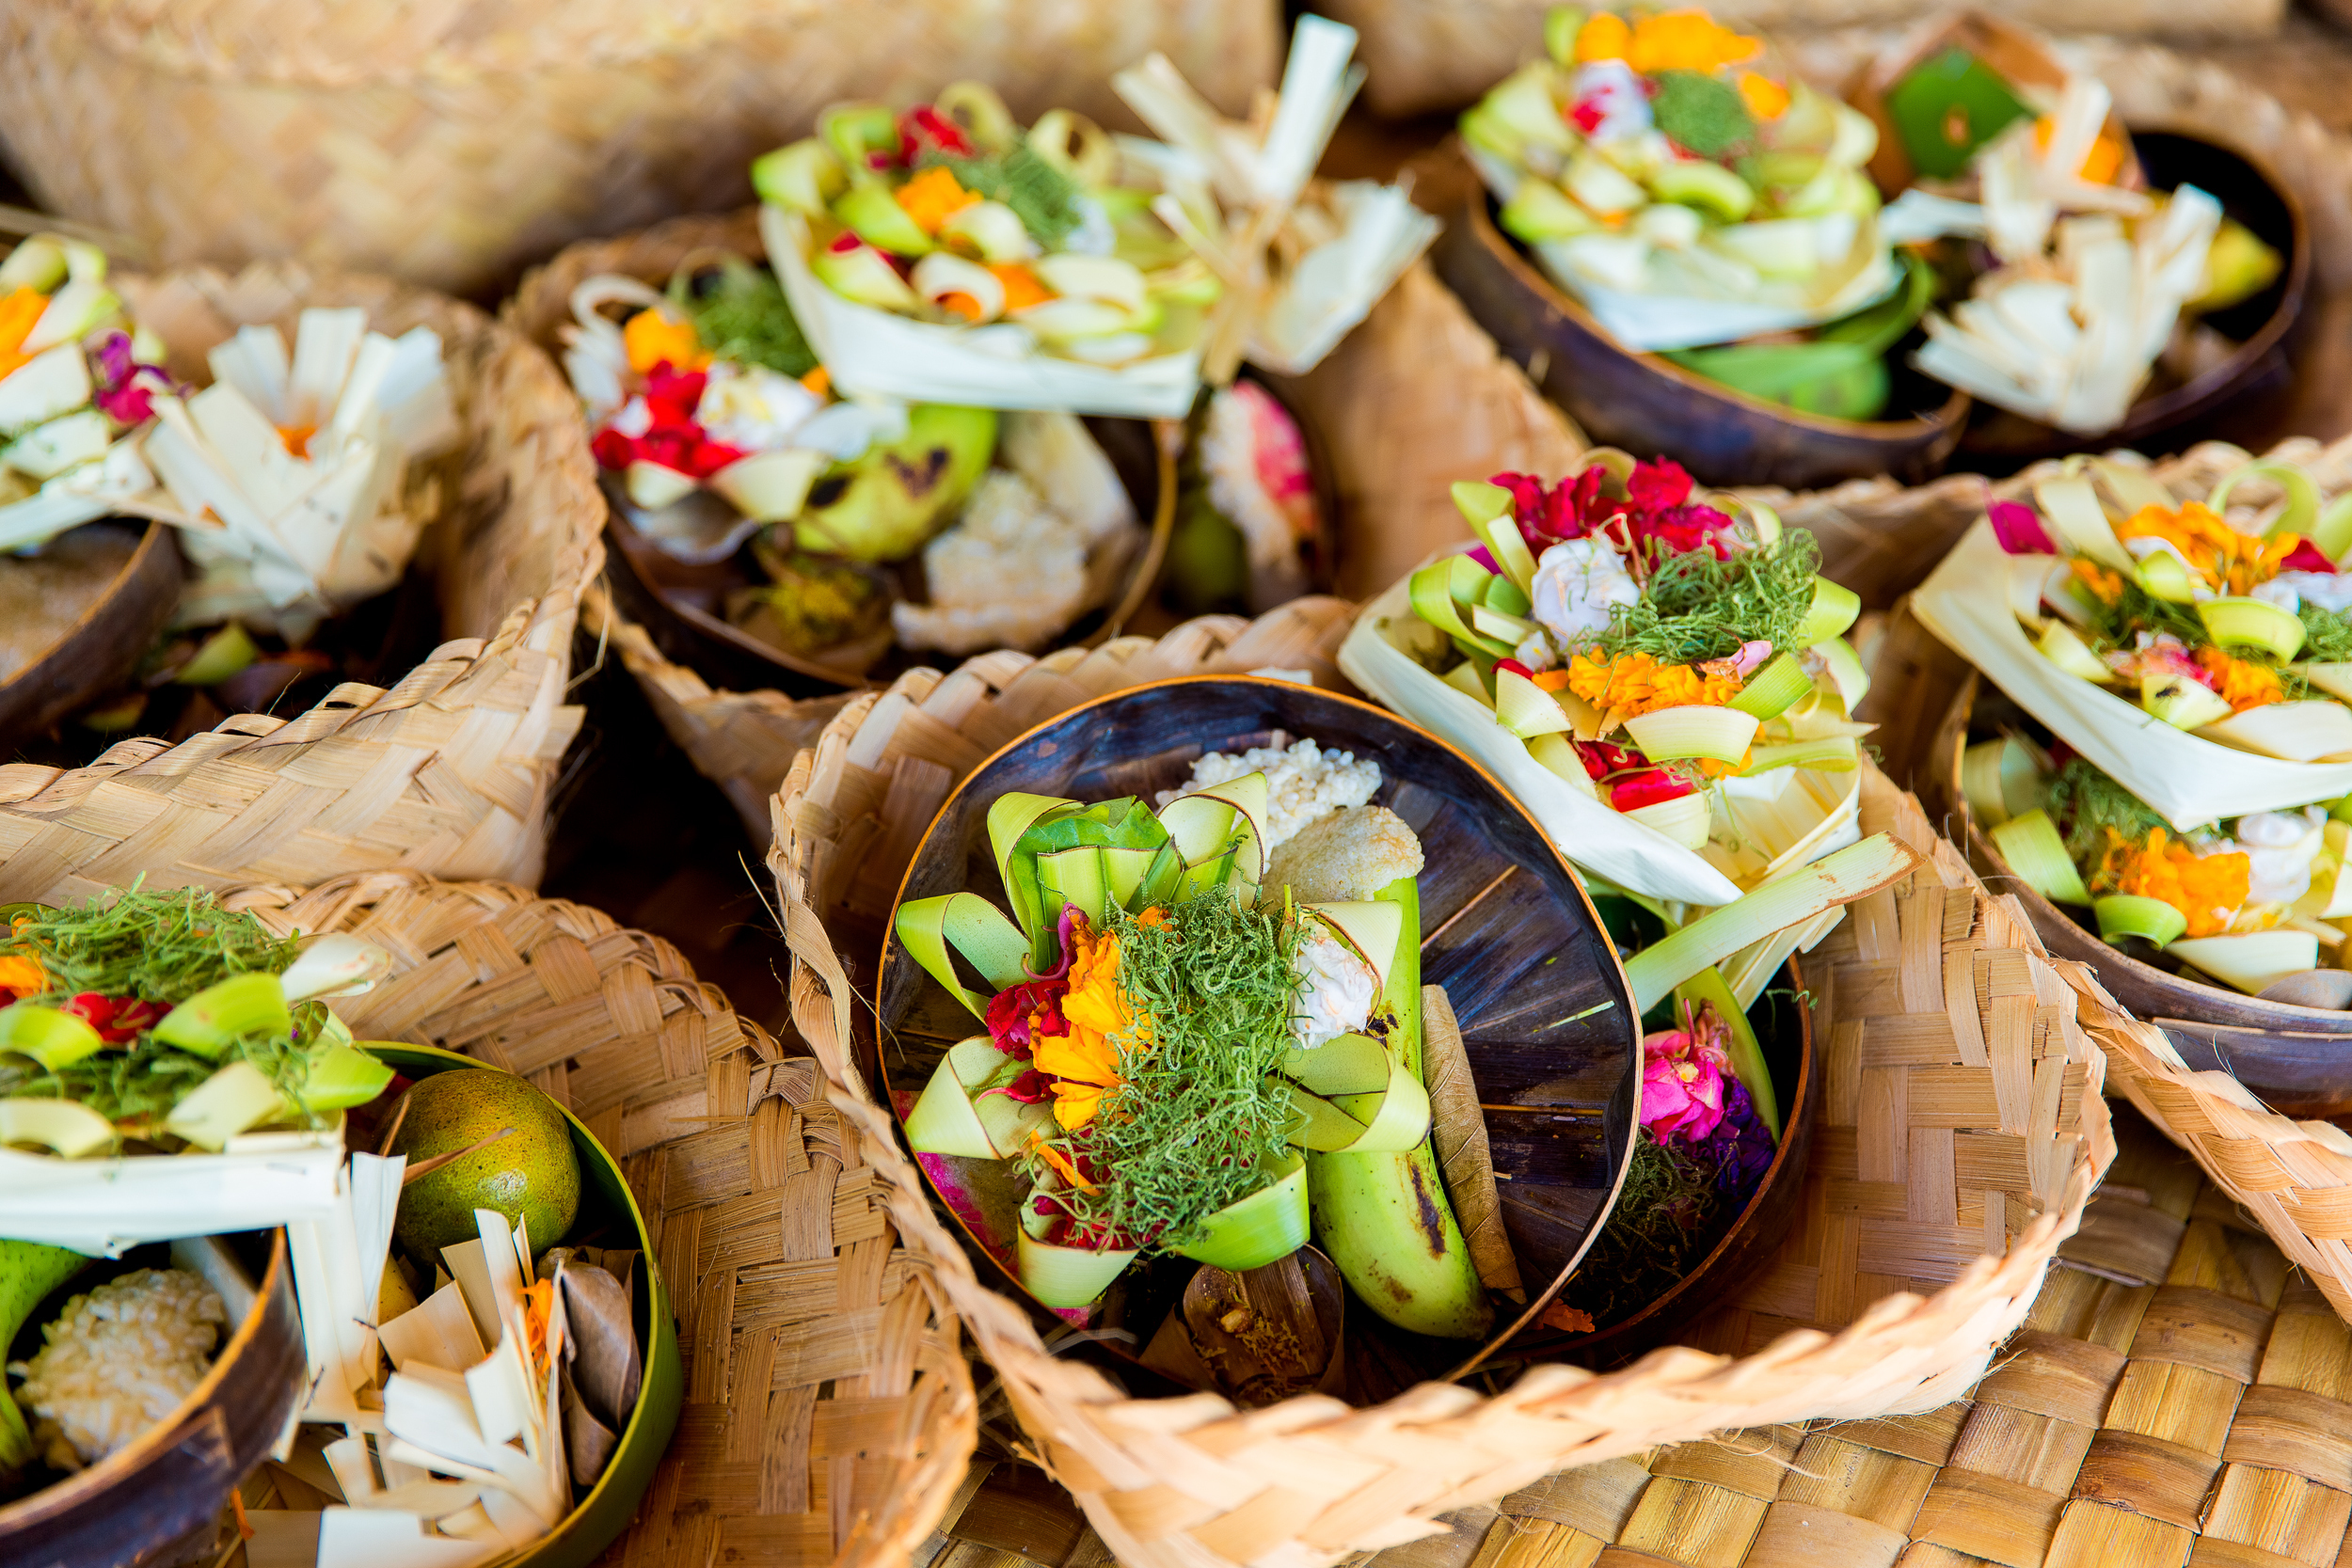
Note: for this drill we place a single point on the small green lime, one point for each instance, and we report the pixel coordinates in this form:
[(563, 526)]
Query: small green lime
[(528, 1172)]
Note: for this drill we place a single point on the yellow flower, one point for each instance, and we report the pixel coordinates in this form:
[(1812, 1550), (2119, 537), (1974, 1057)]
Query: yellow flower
[(1083, 1063), (2229, 562), (1686, 41), (1634, 683)]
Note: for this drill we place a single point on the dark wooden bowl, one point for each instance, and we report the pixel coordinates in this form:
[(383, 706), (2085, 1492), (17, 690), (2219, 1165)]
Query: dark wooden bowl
[(1755, 1236), (2241, 397), (2298, 1059), (164, 1494), (134, 583), (1506, 929), (1650, 406)]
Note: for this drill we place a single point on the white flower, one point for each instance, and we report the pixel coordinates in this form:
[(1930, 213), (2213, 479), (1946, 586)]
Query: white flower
[(1577, 584), (1611, 87), (1337, 987), (2280, 847), (1534, 651), (754, 408), (2292, 591)]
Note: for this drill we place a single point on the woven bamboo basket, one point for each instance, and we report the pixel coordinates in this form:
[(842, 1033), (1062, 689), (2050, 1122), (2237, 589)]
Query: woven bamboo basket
[(828, 1411), (1960, 1137), (1426, 55), (450, 144), (2175, 1396), (449, 771)]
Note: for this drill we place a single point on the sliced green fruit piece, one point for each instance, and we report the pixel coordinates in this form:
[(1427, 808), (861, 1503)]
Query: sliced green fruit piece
[(207, 1023), (50, 1035)]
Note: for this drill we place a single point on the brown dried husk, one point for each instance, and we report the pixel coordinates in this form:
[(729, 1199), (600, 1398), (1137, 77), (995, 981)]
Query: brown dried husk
[(1457, 1135), (829, 1413), (452, 143), (1962, 1135), (447, 773)]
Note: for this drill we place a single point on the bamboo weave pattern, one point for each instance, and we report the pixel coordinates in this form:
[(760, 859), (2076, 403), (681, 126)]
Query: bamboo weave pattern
[(1976, 1129), (451, 143), (828, 1411), (2176, 1396), (448, 771)]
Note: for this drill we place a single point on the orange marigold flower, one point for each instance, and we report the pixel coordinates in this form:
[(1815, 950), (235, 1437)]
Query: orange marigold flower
[(1634, 683), (2206, 889), (18, 312), (652, 338), (1063, 1165), (1764, 98), (22, 975), (2244, 684), (2104, 586), (2099, 165), (1604, 36), (1686, 41), (933, 196), (1023, 288), (1083, 1063)]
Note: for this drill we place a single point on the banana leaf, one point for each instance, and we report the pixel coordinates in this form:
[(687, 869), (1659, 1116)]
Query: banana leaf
[(1840, 372)]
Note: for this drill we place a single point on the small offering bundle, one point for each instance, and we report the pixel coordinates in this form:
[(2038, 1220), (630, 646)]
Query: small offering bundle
[(302, 460), (1665, 683), (718, 430), (2195, 649), (1690, 190), (945, 252), (1198, 1021), (2082, 285), (2252, 901)]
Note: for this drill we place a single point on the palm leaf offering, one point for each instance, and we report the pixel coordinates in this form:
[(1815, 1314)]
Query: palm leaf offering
[(1209, 1039), (1702, 201), (2194, 649), (1665, 685)]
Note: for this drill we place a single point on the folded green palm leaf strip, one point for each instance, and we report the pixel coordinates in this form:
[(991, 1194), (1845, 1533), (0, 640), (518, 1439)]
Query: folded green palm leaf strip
[(1111, 861)]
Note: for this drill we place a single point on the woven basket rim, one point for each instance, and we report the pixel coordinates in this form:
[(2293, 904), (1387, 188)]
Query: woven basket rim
[(345, 901), (1074, 1410), (533, 635)]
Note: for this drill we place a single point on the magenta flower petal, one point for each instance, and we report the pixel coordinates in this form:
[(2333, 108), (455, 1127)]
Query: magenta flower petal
[(2019, 529)]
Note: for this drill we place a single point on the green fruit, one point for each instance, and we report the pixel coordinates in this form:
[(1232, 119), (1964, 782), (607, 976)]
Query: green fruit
[(1384, 1219), (29, 1272), (889, 502), (530, 1175)]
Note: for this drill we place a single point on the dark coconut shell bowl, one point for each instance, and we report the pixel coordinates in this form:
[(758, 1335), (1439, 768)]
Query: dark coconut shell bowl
[(159, 1498), (2297, 1059), (1649, 406), (2238, 398), (97, 596), (1507, 928)]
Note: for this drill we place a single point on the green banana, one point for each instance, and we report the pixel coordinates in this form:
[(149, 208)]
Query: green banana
[(29, 1272), (1384, 1218)]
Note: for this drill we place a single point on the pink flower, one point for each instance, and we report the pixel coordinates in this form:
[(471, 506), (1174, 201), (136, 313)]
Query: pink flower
[(1682, 1079), (2019, 529), (2306, 557)]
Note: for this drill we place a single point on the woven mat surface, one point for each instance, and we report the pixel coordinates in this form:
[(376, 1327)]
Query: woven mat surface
[(2179, 1398)]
